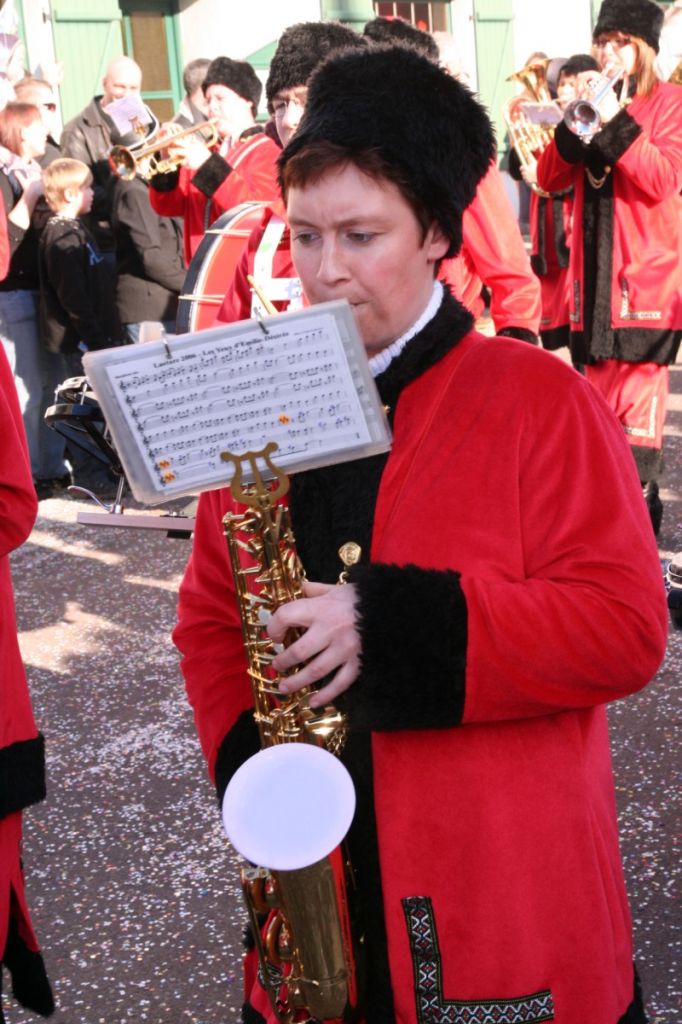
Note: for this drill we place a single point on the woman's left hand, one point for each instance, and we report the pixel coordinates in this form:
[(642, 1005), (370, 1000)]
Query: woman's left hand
[(330, 643)]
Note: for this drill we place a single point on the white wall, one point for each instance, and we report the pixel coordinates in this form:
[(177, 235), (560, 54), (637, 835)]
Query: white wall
[(558, 29), (233, 28)]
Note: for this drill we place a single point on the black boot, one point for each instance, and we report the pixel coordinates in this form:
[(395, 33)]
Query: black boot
[(653, 503)]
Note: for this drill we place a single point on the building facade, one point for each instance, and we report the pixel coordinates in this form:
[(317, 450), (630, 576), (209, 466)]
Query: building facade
[(494, 37)]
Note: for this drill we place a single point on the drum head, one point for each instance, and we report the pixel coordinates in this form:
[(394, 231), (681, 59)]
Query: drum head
[(213, 266)]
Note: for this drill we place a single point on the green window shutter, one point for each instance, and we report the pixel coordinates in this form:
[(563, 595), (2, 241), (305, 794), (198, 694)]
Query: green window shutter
[(495, 60), (86, 38)]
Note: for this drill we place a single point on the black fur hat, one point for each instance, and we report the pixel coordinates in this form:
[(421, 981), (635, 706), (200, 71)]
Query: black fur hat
[(578, 63), (300, 49), (392, 30), (419, 118), (641, 18), (237, 75)]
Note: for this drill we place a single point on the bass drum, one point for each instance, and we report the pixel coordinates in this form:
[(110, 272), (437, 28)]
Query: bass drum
[(213, 266)]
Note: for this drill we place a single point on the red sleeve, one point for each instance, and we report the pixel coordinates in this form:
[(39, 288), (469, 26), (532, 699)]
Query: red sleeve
[(495, 246), (208, 633), (253, 177), (654, 160), (18, 502), (588, 622), (554, 173), (171, 203)]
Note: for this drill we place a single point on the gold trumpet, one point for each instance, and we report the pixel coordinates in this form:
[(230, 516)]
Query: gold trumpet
[(126, 163)]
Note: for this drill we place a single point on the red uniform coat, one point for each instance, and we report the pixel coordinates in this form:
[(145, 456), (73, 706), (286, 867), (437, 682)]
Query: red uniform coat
[(201, 196), (630, 227), (493, 254), (22, 778), (492, 784)]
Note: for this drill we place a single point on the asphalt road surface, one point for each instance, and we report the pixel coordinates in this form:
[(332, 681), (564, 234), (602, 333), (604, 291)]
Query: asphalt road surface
[(133, 887)]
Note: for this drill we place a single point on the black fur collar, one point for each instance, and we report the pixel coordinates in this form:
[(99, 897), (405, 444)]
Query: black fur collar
[(442, 333), (334, 505)]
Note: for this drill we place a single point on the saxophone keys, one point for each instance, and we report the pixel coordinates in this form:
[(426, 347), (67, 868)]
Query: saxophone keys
[(350, 554)]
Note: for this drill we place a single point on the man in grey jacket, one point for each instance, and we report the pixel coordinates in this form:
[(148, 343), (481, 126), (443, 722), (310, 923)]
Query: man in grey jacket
[(87, 137)]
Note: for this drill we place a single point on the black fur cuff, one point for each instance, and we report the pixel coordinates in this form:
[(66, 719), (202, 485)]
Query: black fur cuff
[(522, 333), (240, 743), (165, 182), (413, 625), (22, 775), (211, 175), (615, 137), (571, 149)]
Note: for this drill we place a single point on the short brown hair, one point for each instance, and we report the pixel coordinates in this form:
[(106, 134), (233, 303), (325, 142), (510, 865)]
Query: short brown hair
[(318, 158), (62, 174), (13, 119)]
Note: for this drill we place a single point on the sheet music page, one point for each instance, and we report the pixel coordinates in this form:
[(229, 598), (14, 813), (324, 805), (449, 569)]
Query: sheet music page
[(300, 380)]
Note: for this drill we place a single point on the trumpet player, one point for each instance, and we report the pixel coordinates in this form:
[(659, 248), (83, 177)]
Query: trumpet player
[(509, 586), (213, 179), (626, 254), (550, 221)]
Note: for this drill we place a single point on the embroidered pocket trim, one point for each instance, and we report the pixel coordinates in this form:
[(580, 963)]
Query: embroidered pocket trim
[(432, 1008)]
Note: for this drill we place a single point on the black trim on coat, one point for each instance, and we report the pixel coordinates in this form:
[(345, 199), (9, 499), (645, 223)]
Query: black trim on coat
[(569, 146), (555, 337), (616, 137), (22, 775), (251, 1016), (210, 176), (165, 182), (635, 1013), (649, 462), (520, 333), (414, 686), (563, 253), (30, 984), (241, 742)]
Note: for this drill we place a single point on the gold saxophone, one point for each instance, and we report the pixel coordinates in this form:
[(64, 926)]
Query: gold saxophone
[(308, 957)]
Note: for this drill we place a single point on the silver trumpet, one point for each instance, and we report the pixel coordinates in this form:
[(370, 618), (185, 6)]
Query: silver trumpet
[(582, 116)]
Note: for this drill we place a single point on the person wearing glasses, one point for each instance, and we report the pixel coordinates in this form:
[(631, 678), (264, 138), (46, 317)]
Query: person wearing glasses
[(40, 93), (626, 256)]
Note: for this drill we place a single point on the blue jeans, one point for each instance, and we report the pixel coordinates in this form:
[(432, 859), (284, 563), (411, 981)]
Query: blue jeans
[(36, 373)]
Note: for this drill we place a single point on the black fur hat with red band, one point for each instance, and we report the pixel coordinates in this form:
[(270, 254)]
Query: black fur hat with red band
[(641, 18), (391, 99)]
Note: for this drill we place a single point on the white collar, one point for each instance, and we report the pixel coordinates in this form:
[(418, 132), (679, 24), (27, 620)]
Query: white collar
[(379, 362)]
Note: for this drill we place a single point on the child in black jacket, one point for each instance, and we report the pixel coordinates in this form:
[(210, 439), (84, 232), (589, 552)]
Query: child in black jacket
[(77, 290)]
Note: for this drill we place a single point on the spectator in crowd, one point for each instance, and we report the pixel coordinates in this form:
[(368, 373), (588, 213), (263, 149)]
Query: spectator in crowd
[(22, 754), (626, 253), (36, 371), (241, 167), (149, 266), (193, 108), (77, 297), (87, 137), (41, 94)]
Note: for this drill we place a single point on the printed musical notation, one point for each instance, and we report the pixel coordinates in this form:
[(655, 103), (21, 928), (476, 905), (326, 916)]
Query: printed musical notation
[(299, 379)]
